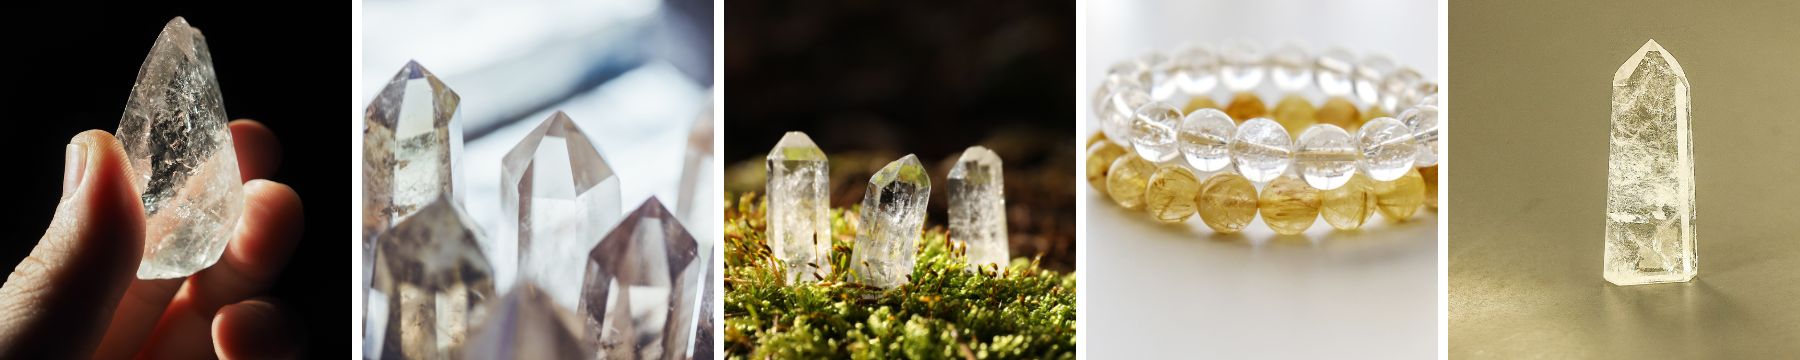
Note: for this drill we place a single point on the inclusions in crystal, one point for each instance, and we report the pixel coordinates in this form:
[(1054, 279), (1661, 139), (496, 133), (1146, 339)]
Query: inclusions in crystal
[(641, 287), (435, 280), (1650, 173), (799, 191), (977, 190), (893, 216), (559, 197)]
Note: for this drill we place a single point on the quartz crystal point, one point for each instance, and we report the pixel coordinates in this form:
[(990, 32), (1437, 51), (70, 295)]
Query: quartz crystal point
[(642, 283), (412, 146), (560, 197), (526, 324), (799, 192), (435, 280), (181, 156), (893, 215), (978, 206), (698, 186), (1650, 173)]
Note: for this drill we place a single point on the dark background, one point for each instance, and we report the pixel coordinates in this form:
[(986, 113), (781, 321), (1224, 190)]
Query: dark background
[(70, 68), (871, 81)]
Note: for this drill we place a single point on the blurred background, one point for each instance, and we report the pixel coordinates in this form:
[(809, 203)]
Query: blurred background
[(871, 81)]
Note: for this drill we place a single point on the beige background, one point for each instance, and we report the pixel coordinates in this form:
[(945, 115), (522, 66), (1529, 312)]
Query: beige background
[(1529, 92)]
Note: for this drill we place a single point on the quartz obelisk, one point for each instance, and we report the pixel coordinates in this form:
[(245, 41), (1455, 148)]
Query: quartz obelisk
[(1650, 173)]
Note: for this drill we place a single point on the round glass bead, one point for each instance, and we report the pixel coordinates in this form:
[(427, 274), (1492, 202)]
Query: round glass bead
[(1261, 149), (1387, 148), (1227, 202), (1100, 156), (1197, 69), (1205, 139), (1294, 112), (1245, 106), (1241, 66), (1334, 69), (1126, 178), (1339, 111), (1288, 205), (1368, 77), (1348, 207), (1397, 88), (1399, 199), (1121, 109), (1423, 120), (1170, 195), (1290, 68), (1325, 156), (1153, 131)]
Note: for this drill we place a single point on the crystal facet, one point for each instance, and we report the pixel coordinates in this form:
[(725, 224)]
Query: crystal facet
[(1205, 139), (977, 190), (1325, 156), (435, 278), (1387, 148), (412, 152), (1261, 149), (560, 196), (1650, 231), (181, 156), (1153, 131), (526, 324), (799, 192), (893, 216), (640, 288)]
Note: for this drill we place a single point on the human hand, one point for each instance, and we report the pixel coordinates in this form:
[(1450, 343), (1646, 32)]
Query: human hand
[(77, 294)]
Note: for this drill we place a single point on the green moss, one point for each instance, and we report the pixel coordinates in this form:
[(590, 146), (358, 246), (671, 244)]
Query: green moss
[(946, 311)]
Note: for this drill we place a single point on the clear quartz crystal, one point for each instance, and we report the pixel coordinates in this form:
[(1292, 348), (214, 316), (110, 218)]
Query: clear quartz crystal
[(640, 288), (1241, 66), (559, 196), (1397, 88), (977, 190), (181, 156), (698, 193), (1387, 147), (893, 215), (1368, 77), (435, 280), (1123, 73), (1121, 111), (1290, 68), (1153, 131), (1334, 70), (1325, 156), (1650, 173), (1197, 69), (1165, 81), (1205, 139), (526, 324), (799, 197), (1423, 120), (1261, 149), (412, 153)]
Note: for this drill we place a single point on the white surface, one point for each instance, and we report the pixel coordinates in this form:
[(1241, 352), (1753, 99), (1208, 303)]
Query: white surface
[(1155, 291)]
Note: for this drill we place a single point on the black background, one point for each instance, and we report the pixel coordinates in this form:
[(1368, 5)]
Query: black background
[(70, 68)]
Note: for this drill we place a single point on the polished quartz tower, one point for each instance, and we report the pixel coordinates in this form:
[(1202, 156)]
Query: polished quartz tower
[(799, 196), (560, 196), (978, 206), (893, 217), (1650, 173), (181, 156)]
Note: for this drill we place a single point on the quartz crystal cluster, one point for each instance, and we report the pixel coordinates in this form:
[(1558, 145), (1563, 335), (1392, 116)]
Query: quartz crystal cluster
[(799, 193), (1650, 173), (182, 160), (978, 206), (641, 286), (559, 196), (892, 219), (435, 281)]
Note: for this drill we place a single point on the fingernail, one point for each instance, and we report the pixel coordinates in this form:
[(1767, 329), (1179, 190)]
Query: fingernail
[(74, 166)]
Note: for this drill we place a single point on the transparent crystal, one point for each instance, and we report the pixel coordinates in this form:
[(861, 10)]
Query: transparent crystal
[(412, 152), (977, 190), (559, 196), (1241, 66), (1397, 88), (1650, 234), (893, 215), (1197, 70), (1387, 148), (1123, 73), (1290, 68), (799, 196), (1165, 81), (1121, 111), (435, 280), (640, 288), (181, 156), (1334, 70), (1369, 74), (1153, 131), (1205, 139), (526, 324), (1326, 156), (1261, 149), (699, 197), (1423, 120)]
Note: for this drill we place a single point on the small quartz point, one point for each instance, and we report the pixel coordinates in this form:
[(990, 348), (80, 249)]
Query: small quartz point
[(978, 206), (799, 191), (893, 215), (560, 196), (526, 324), (640, 288), (181, 156), (435, 280), (1650, 173), (412, 146)]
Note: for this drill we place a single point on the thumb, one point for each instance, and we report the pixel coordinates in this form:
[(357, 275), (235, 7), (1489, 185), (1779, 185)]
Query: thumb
[(57, 301)]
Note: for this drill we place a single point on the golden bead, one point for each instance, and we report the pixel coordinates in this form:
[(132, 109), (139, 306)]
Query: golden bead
[(1227, 202), (1199, 102), (1245, 106), (1289, 205), (1097, 137), (1400, 198), (1170, 194), (1100, 157), (1374, 111), (1429, 175), (1294, 113), (1348, 207), (1339, 111), (1126, 178)]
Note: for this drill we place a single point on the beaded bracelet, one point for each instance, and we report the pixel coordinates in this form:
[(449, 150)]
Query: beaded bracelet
[(1318, 176)]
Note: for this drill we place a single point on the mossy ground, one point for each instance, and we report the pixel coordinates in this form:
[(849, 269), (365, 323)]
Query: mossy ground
[(946, 311)]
